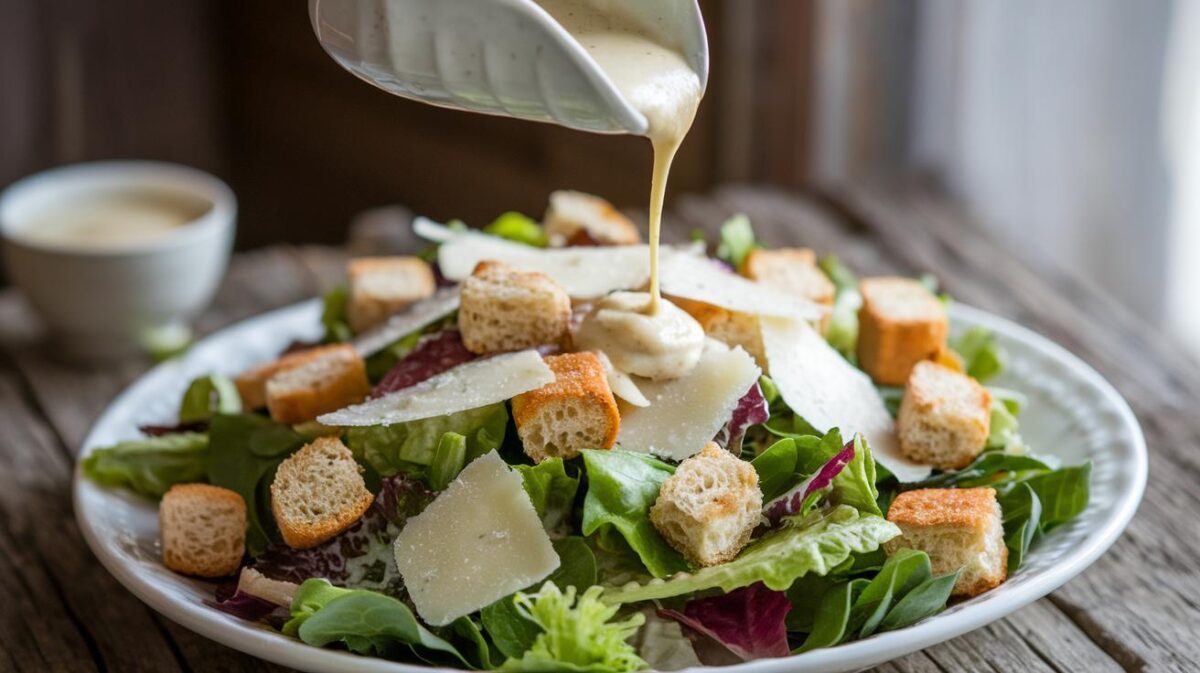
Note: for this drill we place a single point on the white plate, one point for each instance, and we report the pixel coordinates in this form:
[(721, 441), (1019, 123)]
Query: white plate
[(1073, 415)]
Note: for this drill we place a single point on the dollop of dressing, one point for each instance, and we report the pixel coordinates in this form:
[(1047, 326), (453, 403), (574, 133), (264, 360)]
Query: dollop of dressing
[(658, 82), (661, 344)]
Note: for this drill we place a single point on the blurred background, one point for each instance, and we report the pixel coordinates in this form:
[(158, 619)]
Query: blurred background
[(1069, 129)]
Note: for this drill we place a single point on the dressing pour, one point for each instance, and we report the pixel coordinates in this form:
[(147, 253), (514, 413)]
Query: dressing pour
[(641, 333)]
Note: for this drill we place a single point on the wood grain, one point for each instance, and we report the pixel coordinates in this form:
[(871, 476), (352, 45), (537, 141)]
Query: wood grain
[(1133, 610)]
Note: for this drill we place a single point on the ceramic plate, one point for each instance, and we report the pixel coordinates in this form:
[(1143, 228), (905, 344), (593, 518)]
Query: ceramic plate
[(1073, 415)]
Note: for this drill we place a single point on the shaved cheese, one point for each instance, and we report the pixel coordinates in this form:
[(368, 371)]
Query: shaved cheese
[(622, 384), (699, 279), (467, 386), (686, 413), (828, 392), (441, 304), (479, 541), (585, 273)]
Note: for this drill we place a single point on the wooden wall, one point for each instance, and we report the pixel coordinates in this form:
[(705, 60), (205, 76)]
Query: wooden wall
[(243, 89)]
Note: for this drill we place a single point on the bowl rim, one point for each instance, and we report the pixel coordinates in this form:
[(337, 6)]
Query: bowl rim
[(217, 220)]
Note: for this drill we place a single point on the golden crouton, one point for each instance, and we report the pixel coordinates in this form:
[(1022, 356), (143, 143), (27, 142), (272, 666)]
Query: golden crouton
[(575, 412), (381, 286), (317, 493), (572, 216), (336, 378), (252, 383), (203, 530), (958, 528), (900, 324), (944, 417), (709, 507), (732, 328), (503, 309)]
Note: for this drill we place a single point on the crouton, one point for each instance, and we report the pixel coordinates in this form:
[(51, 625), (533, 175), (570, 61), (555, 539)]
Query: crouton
[(958, 528), (381, 286), (794, 271), (576, 411), (944, 417), (731, 328), (203, 530), (709, 507), (572, 216), (336, 378), (252, 383), (503, 309), (317, 493), (900, 324)]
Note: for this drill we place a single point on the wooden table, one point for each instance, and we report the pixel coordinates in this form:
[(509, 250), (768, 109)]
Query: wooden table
[(1138, 608)]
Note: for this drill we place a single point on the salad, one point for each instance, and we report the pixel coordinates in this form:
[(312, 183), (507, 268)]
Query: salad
[(491, 461)]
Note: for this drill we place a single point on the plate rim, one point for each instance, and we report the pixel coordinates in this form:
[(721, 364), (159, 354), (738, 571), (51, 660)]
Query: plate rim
[(267, 644)]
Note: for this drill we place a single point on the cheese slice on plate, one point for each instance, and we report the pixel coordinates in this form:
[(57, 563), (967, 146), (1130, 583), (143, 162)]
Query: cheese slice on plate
[(584, 272), (441, 304), (686, 413), (479, 541), (700, 279), (467, 386), (828, 392)]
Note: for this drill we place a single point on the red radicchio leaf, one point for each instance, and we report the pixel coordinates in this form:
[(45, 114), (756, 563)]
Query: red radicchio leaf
[(159, 430), (243, 605), (433, 354), (752, 409), (439, 279), (790, 503), (749, 621)]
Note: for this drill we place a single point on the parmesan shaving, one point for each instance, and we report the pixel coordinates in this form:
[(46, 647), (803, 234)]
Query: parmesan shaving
[(686, 413), (467, 386), (425, 312), (700, 279), (828, 392), (479, 541)]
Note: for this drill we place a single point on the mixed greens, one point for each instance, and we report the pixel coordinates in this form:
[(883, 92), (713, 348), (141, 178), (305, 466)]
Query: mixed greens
[(814, 574)]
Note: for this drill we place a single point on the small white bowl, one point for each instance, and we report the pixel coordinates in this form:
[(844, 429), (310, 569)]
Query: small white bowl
[(103, 302)]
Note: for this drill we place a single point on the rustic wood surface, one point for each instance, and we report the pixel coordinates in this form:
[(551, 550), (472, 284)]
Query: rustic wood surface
[(1135, 609)]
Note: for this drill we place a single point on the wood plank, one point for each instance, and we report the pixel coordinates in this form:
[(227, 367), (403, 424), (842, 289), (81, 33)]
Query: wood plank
[(62, 611)]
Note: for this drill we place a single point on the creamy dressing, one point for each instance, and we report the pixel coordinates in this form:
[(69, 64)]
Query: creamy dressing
[(112, 219), (663, 344), (657, 81)]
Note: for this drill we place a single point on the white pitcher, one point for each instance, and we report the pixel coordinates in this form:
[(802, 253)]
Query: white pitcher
[(504, 57)]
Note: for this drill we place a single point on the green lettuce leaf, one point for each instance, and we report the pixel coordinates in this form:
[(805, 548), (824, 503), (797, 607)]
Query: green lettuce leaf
[(552, 492), (512, 633), (366, 623), (903, 592), (1004, 429), (736, 241), (622, 486), (842, 329), (411, 447), (448, 460), (208, 395), (817, 544), (151, 465), (333, 316), (983, 356), (243, 452), (519, 228), (578, 634), (855, 484)]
